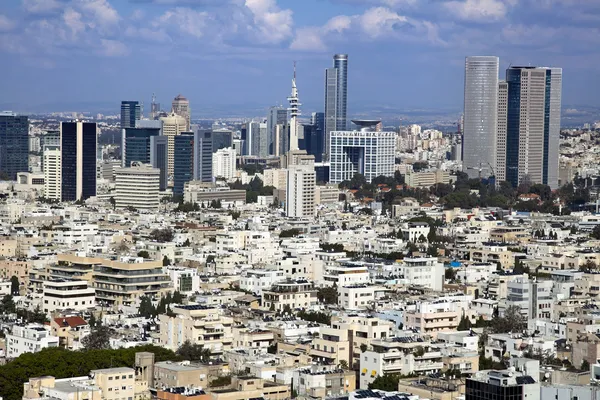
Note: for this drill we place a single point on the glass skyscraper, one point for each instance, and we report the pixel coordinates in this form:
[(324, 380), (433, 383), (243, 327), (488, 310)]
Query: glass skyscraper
[(314, 136), (159, 158), (130, 112), (203, 155), (336, 98), (481, 115), (183, 165), (14, 144), (78, 144), (137, 145)]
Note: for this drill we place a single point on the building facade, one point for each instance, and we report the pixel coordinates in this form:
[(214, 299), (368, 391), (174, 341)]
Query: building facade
[(300, 188), (52, 172), (14, 144), (181, 107), (138, 186), (224, 163), (78, 145), (130, 112), (336, 98), (173, 125)]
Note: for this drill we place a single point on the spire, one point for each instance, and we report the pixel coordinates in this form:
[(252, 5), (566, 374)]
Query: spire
[(294, 110)]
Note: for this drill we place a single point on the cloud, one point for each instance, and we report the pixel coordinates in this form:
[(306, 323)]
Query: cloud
[(113, 48), (272, 24), (184, 20), (374, 24), (480, 10), (41, 6), (6, 24)]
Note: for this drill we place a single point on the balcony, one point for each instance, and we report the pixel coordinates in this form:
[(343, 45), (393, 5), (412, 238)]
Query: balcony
[(428, 366)]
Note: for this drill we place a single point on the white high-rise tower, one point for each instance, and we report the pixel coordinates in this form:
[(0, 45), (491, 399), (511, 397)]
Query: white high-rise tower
[(294, 110)]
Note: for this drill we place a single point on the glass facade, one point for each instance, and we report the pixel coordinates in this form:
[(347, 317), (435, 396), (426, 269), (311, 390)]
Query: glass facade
[(137, 144), (478, 390), (130, 112), (336, 98), (14, 144), (183, 167), (221, 139), (159, 158), (203, 156), (78, 160)]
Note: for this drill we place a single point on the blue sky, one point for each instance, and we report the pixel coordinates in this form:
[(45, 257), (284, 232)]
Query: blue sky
[(239, 53)]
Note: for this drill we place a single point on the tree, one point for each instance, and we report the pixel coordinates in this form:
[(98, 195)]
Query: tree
[(585, 365), (512, 321), (143, 254), (99, 339), (7, 306), (113, 202), (162, 235), (187, 243), (14, 286), (92, 321), (363, 348), (596, 232), (328, 295), (177, 298), (194, 352), (344, 364), (388, 382), (287, 233), (146, 308), (464, 324), (450, 274), (166, 261)]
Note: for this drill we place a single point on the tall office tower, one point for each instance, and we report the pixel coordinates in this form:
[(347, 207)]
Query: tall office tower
[(294, 110), (78, 144), (181, 106), (365, 152), (253, 138), (137, 186), (533, 124), (203, 154), (222, 138), (52, 171), (282, 135), (154, 108), (277, 116), (336, 98), (130, 112), (173, 125), (136, 145), (481, 115), (224, 163), (263, 146), (300, 187), (317, 136), (50, 138), (500, 168), (159, 158), (184, 161), (14, 144)]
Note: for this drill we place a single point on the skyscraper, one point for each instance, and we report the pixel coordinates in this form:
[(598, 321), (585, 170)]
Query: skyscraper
[(294, 110), (336, 98), (130, 112), (159, 158), (500, 168), (203, 156), (181, 107), (78, 144), (313, 135), (363, 151), (533, 124), (276, 116), (52, 171), (14, 144), (222, 139), (173, 125), (300, 188), (481, 115), (136, 145), (183, 162)]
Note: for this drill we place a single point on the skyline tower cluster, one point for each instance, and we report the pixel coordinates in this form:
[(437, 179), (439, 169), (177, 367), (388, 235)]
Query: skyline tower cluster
[(511, 127)]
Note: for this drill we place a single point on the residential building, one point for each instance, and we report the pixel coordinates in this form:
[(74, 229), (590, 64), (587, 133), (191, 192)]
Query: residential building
[(223, 163), (319, 383), (480, 115), (137, 186), (251, 387), (331, 346), (78, 145), (200, 324), (300, 189), (336, 99), (130, 112), (68, 295), (205, 193), (169, 374), (365, 152), (503, 384), (52, 172), (292, 293), (14, 144), (31, 338), (173, 125), (533, 124), (257, 280), (181, 107), (70, 331), (423, 271)]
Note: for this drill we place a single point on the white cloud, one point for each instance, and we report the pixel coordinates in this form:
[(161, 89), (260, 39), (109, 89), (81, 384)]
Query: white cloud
[(184, 20), (113, 48), (101, 10), (72, 20), (40, 6), (379, 21), (480, 10), (272, 24), (6, 24)]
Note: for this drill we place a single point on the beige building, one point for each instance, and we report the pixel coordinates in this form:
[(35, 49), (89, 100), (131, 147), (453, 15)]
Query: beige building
[(508, 234), (433, 388), (173, 125), (181, 107), (318, 382), (331, 346), (291, 293), (200, 324), (427, 179), (70, 331), (169, 374), (15, 267), (246, 388), (8, 247)]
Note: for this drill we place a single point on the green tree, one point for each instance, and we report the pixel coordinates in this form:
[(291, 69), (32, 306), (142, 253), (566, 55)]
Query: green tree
[(92, 320), (177, 297), (585, 365), (512, 321), (7, 306), (328, 295), (450, 274), (143, 254), (162, 235), (286, 233), (344, 364), (146, 308), (194, 352), (388, 382), (113, 202), (15, 288), (363, 348), (464, 324), (98, 339), (166, 262), (596, 232)]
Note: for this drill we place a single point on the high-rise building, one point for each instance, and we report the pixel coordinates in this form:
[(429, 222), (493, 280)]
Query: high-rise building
[(282, 134), (183, 162), (136, 145), (159, 158), (533, 124), (51, 139), (500, 168), (222, 139), (154, 108), (130, 112), (181, 107), (300, 187), (78, 144), (336, 98), (203, 154), (481, 115), (294, 110), (173, 125), (14, 144), (224, 163), (52, 172), (137, 186), (253, 138), (363, 151), (277, 116), (314, 136)]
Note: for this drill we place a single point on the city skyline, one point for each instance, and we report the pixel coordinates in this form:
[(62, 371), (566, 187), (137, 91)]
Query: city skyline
[(423, 40)]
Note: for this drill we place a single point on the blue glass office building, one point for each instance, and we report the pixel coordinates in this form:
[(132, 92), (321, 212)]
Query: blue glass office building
[(130, 112), (14, 144), (183, 164), (78, 144)]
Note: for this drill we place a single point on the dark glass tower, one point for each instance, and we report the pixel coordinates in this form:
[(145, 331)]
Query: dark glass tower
[(136, 144), (221, 139), (78, 141), (14, 144), (130, 112), (183, 164), (159, 158), (336, 98), (203, 153)]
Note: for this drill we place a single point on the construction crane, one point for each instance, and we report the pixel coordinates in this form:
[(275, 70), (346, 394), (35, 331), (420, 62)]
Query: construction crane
[(481, 168)]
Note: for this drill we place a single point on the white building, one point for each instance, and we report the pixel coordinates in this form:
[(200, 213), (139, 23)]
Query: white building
[(138, 186), (346, 274), (257, 280), (72, 295), (423, 271), (52, 172), (224, 163), (358, 297), (300, 191), (185, 280), (31, 338), (363, 152), (476, 272)]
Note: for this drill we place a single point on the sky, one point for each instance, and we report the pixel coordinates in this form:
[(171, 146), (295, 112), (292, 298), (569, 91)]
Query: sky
[(232, 54)]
